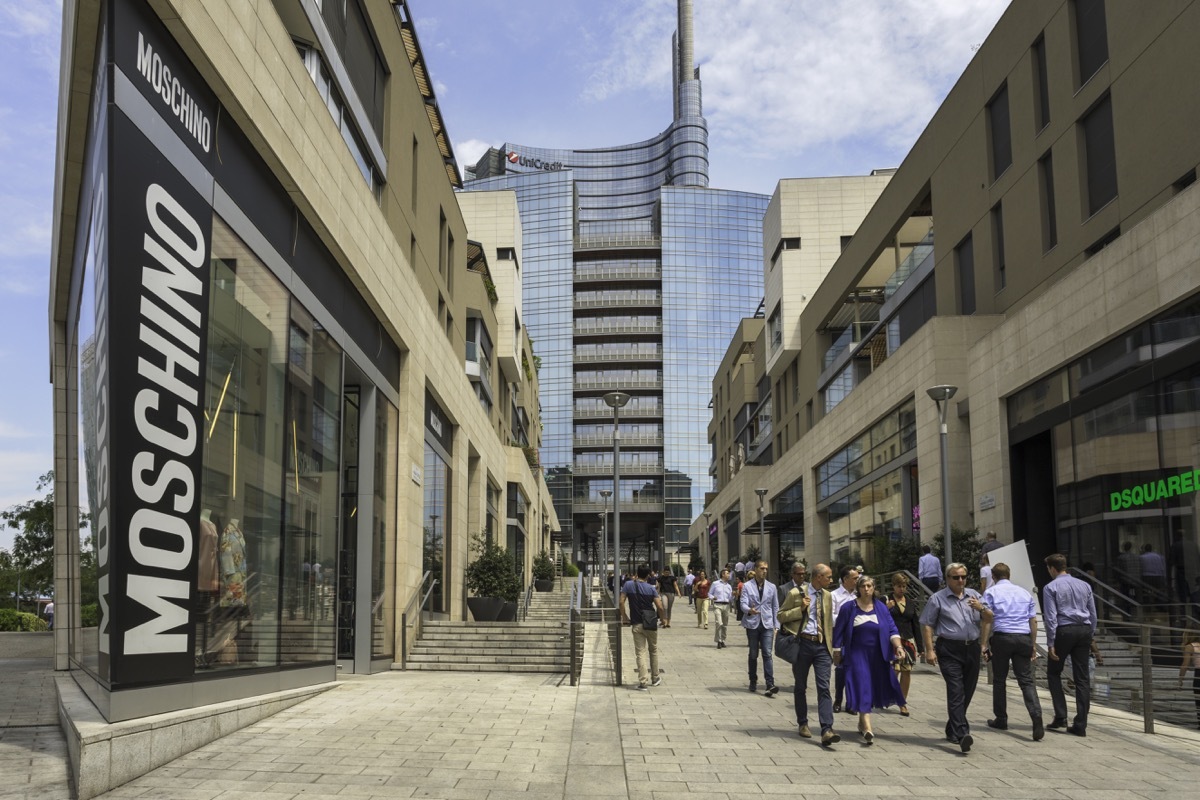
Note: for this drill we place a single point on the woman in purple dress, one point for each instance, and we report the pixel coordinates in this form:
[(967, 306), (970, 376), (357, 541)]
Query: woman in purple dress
[(869, 642)]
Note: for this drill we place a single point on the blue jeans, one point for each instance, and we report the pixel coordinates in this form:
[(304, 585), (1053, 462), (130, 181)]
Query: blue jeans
[(816, 656), (761, 639)]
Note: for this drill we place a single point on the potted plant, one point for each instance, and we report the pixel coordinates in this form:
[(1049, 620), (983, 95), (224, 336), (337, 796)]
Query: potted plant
[(543, 572), (491, 578)]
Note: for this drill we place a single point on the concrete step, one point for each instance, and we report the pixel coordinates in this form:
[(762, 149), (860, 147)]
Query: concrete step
[(520, 668), (548, 661)]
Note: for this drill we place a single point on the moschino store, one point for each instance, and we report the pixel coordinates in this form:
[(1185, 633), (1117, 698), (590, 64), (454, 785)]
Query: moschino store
[(236, 414)]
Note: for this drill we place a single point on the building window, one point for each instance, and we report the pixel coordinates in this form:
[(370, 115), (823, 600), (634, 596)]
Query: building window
[(1041, 84), (998, 246), (442, 242), (790, 243), (998, 131), (846, 242), (964, 262), (1046, 190), (1091, 37), (415, 171), (1100, 156), (775, 329)]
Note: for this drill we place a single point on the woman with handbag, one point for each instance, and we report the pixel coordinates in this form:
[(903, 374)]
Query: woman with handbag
[(869, 641), (904, 614)]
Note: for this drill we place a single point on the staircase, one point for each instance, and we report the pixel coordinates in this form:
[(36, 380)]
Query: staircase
[(539, 644)]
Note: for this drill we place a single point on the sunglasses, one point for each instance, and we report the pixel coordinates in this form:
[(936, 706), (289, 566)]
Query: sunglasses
[(957, 577)]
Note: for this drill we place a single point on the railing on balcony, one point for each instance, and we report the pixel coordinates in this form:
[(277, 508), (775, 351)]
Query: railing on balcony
[(764, 433), (620, 300), (643, 502), (627, 468), (611, 241), (600, 411), (590, 355), (583, 328), (909, 265), (627, 440), (618, 383), (586, 273)]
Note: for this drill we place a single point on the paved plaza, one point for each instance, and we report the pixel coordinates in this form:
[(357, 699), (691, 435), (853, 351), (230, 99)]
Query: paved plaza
[(491, 737)]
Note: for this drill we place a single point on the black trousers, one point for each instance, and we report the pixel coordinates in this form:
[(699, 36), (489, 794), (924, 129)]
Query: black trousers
[(1015, 649), (1074, 641), (959, 664)]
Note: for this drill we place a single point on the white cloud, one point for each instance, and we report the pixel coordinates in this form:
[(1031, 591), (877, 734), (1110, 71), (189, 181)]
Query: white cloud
[(470, 151), (783, 77)]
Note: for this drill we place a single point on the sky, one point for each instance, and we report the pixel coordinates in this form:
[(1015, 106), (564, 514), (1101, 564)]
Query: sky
[(792, 88)]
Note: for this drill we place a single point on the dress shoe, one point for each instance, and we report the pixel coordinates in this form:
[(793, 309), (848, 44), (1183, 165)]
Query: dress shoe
[(1077, 730), (1038, 731), (772, 691), (1000, 726), (966, 742), (829, 738), (805, 733), (753, 688), (837, 707), (1057, 724)]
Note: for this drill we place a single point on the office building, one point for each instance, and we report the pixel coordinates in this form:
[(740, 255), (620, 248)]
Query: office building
[(1037, 250), (290, 384), (635, 273)]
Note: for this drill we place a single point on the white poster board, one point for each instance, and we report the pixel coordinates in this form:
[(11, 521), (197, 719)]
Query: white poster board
[(1016, 556)]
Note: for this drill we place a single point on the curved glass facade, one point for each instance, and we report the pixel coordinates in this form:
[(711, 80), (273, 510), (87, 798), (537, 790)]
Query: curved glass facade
[(625, 252)]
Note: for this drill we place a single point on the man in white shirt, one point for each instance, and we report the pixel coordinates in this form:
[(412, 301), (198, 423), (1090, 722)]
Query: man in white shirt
[(842, 595), (929, 569), (720, 594), (687, 584), (1009, 639)]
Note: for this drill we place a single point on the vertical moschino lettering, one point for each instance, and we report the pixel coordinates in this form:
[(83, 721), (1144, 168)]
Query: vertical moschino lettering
[(161, 534), (158, 74), (101, 526)]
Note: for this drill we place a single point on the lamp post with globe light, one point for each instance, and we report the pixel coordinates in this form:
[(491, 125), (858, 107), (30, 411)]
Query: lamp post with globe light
[(941, 395)]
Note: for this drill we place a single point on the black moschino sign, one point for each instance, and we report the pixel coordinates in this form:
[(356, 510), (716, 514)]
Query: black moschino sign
[(150, 250)]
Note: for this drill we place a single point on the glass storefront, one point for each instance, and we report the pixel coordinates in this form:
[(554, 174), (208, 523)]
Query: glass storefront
[(1121, 426)]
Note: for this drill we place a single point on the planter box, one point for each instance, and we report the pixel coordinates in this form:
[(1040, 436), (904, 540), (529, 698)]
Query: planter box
[(485, 609), (544, 585)]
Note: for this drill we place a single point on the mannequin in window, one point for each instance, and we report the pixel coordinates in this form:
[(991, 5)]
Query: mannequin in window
[(208, 578), (233, 566)]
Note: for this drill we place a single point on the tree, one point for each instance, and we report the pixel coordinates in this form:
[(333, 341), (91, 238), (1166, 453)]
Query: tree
[(32, 556), (753, 554), (967, 546)]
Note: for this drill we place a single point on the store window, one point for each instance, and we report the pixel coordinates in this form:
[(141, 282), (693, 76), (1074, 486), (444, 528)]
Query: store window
[(383, 538)]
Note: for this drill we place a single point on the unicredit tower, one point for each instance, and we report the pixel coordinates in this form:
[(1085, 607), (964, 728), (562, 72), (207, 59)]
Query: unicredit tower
[(635, 276)]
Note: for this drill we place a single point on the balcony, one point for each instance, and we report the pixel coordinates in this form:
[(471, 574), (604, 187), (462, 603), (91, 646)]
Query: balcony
[(619, 241), (586, 327), (620, 300), (648, 503), (617, 383), (587, 273), (627, 468), (631, 411), (627, 440), (616, 354)]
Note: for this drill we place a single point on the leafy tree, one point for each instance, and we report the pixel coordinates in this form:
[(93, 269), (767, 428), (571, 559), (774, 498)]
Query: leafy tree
[(890, 555), (753, 554), (32, 557), (787, 558), (967, 546)]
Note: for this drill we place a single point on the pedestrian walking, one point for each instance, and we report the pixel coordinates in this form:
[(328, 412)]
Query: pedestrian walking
[(642, 610), (49, 613), (760, 618), (904, 614), (843, 594), (929, 569), (1154, 574), (667, 589), (1009, 641), (807, 614), (700, 596), (720, 594), (870, 644), (954, 615), (1069, 609), (688, 580)]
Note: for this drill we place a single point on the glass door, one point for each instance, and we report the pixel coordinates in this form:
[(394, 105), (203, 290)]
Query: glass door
[(347, 561)]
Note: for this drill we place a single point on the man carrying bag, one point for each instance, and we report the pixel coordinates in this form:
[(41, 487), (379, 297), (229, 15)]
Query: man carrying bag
[(642, 610), (807, 616)]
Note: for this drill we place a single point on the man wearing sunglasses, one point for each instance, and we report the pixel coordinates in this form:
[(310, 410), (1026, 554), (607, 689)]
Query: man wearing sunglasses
[(954, 615)]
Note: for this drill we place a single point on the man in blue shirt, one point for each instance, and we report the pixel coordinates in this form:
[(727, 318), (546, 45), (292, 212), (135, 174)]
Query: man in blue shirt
[(642, 610), (929, 569), (1009, 639), (760, 613), (807, 614), (1070, 612)]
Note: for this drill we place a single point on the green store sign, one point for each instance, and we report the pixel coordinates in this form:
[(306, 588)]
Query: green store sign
[(1152, 492)]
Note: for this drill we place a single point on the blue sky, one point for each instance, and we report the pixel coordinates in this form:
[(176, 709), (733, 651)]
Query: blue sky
[(792, 88)]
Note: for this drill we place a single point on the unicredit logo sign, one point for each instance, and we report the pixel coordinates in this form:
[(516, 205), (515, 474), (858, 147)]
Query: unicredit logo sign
[(536, 163)]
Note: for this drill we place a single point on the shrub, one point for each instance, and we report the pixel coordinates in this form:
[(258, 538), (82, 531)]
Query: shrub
[(543, 567), (11, 620), (492, 573), (90, 615), (570, 570)]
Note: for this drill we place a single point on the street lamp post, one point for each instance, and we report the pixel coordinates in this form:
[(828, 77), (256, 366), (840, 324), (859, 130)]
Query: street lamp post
[(616, 401), (941, 395), (706, 540), (883, 523), (762, 524), (605, 493)]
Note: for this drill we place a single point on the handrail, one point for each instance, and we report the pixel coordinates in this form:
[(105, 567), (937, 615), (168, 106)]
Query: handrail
[(527, 601), (416, 595), (1096, 582)]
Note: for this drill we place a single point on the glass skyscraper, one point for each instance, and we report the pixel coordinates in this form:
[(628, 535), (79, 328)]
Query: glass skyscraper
[(636, 275)]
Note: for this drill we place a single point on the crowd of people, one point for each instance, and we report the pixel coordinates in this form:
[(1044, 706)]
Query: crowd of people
[(860, 642)]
